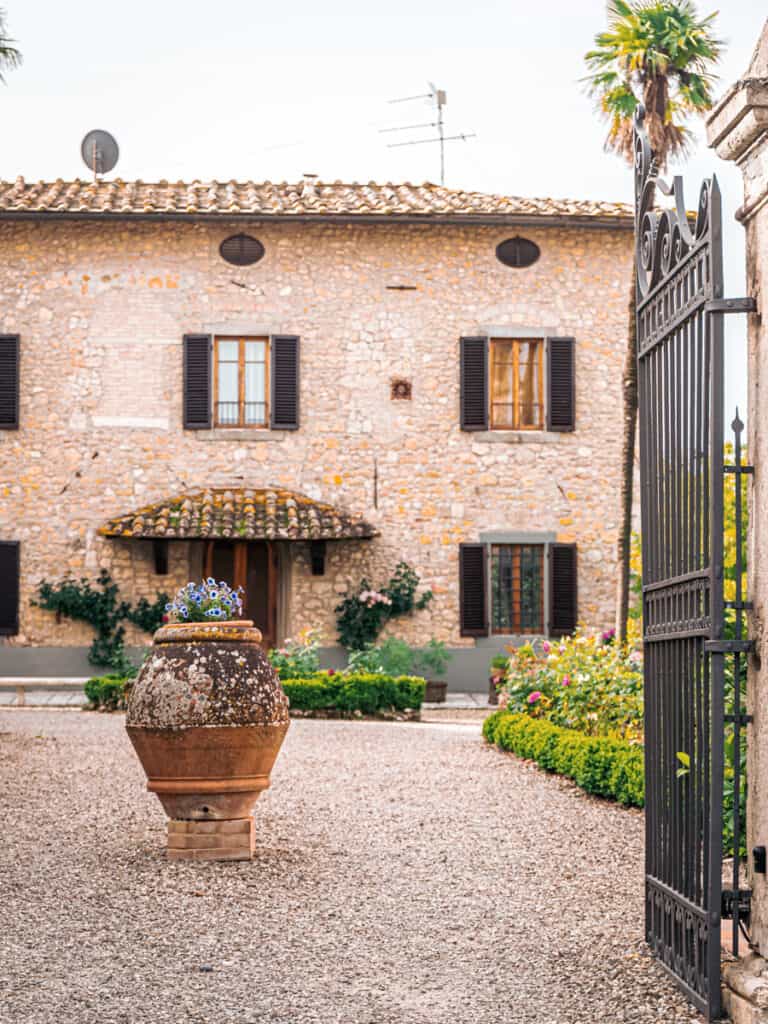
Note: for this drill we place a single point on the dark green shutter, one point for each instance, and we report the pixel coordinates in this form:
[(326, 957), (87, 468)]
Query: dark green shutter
[(9, 587), (9, 381), (284, 374), (473, 598), (474, 383), (561, 384), (563, 589), (198, 387)]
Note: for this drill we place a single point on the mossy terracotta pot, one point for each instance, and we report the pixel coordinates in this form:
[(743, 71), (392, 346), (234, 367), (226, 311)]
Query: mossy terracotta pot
[(207, 717)]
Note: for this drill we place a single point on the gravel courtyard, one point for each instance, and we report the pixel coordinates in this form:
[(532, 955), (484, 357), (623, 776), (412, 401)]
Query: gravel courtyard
[(405, 874)]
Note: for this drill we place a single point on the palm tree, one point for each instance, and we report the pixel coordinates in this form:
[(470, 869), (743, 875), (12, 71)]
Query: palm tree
[(659, 52), (10, 57)]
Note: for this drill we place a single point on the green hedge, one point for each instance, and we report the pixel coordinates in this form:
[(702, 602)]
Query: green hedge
[(363, 692), (106, 691), (610, 768)]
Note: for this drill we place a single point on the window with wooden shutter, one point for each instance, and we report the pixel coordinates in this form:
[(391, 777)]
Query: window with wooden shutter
[(9, 587), (9, 381), (240, 382), (517, 589), (516, 384), (563, 590), (474, 383), (197, 382), (285, 383), (561, 384), (473, 580)]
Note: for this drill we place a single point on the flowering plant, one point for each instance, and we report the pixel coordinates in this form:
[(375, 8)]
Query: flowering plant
[(590, 683), (362, 614), (297, 659), (204, 602)]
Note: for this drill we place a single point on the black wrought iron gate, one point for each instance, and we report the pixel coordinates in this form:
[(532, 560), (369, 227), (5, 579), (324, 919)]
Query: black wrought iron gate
[(680, 310)]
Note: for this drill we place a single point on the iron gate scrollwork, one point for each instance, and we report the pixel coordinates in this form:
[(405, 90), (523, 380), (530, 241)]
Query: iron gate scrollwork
[(680, 306)]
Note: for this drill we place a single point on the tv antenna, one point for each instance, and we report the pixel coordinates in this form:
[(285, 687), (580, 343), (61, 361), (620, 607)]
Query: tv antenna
[(437, 97), (100, 151)]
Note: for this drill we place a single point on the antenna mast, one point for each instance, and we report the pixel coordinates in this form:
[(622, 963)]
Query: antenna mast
[(438, 98)]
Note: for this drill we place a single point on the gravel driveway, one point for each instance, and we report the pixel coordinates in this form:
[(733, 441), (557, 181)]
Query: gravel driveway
[(405, 874)]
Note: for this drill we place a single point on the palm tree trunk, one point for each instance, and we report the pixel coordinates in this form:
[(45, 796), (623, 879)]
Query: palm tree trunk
[(629, 433)]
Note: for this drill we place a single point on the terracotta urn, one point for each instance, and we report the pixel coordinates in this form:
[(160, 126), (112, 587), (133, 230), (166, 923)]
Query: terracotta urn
[(207, 717)]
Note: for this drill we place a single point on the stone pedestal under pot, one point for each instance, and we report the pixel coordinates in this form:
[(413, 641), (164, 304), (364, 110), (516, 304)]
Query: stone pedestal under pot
[(207, 717)]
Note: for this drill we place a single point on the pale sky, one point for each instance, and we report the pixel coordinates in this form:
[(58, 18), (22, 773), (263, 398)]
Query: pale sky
[(248, 90)]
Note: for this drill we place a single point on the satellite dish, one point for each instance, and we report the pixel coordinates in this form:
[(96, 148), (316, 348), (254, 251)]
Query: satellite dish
[(99, 150)]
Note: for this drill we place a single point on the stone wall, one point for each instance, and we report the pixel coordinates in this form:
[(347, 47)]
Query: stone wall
[(101, 309), (738, 129)]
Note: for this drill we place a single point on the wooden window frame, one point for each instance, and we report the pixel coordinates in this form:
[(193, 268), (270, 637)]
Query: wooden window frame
[(241, 424), (516, 405), (517, 626)]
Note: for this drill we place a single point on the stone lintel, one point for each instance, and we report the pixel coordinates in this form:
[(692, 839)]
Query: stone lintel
[(737, 129), (517, 436), (739, 119)]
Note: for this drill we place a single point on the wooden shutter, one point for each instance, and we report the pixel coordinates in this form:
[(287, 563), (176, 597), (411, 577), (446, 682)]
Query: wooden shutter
[(198, 398), (561, 384), (473, 599), (284, 374), (9, 381), (9, 587), (563, 590), (474, 383)]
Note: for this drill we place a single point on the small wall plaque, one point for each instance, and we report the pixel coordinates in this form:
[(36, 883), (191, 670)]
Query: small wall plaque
[(400, 389)]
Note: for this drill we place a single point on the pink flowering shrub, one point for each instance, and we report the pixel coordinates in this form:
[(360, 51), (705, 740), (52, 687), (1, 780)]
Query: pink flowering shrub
[(363, 613), (589, 683)]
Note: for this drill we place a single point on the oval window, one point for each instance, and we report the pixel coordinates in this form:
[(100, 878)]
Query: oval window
[(517, 252), (241, 250)]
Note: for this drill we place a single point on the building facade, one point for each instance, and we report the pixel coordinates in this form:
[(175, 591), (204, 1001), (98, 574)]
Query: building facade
[(296, 387)]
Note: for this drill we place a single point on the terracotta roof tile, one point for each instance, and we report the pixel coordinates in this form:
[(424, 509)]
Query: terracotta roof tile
[(240, 514), (269, 199)]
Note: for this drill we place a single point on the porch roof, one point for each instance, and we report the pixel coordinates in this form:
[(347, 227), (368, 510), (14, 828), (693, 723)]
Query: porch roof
[(240, 514)]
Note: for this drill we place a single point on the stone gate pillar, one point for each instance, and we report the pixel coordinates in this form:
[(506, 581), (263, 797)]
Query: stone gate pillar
[(738, 130)]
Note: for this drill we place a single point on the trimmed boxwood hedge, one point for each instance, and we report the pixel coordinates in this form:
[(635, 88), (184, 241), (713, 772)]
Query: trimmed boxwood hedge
[(607, 767), (367, 693), (107, 692)]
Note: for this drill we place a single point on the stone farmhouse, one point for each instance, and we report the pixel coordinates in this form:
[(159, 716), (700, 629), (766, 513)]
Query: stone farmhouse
[(297, 386)]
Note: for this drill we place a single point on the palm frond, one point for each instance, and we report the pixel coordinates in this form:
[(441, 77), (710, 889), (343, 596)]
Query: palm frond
[(660, 51), (10, 57)]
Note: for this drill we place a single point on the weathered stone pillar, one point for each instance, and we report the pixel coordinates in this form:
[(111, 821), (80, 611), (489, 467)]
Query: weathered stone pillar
[(738, 130)]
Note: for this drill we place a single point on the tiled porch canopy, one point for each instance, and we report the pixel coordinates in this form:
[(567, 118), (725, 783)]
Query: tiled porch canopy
[(239, 514)]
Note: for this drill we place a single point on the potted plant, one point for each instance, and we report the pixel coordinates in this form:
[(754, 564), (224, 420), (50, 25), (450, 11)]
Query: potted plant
[(207, 717), (499, 666), (431, 661), (395, 657)]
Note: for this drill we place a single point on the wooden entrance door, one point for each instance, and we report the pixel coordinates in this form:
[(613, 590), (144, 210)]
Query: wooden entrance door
[(251, 565)]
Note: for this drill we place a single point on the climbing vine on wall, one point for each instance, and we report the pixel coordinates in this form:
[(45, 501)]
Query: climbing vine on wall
[(361, 616), (100, 606)]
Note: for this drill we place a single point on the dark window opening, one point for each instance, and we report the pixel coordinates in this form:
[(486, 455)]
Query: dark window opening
[(9, 587), (517, 588), (160, 554), (241, 250), (517, 252), (317, 551)]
